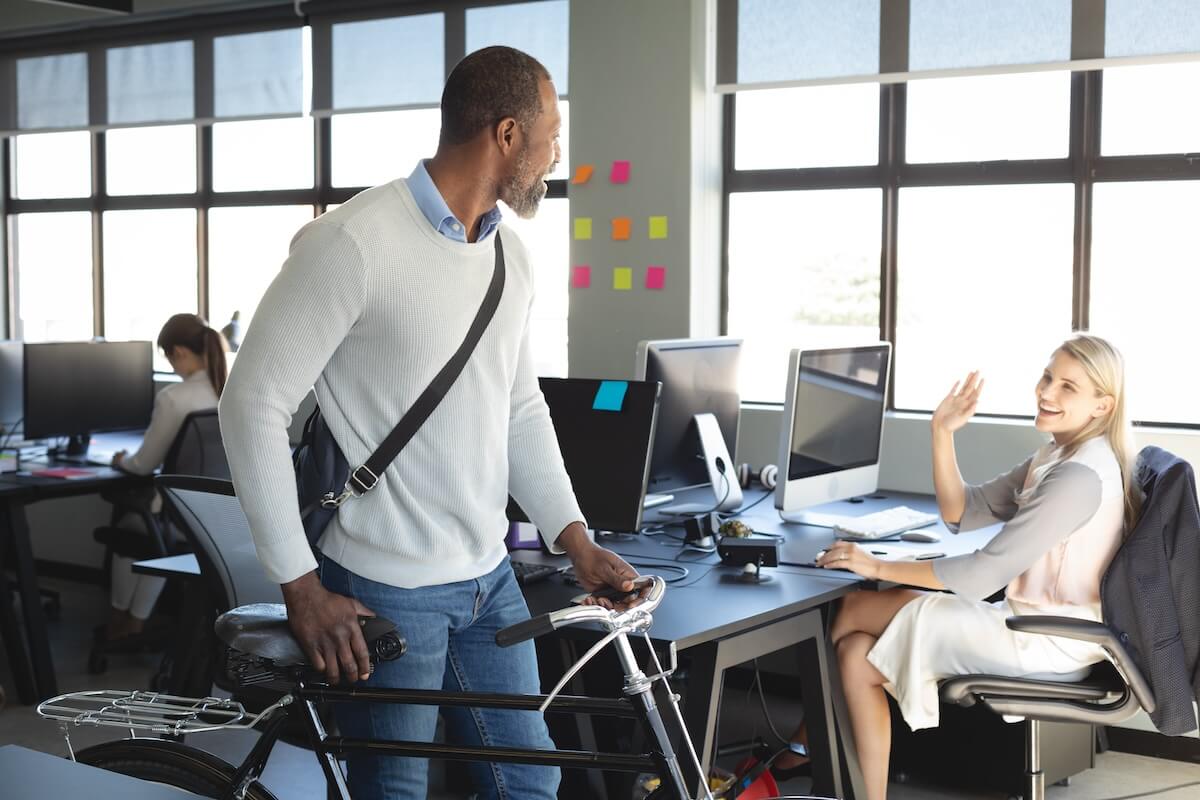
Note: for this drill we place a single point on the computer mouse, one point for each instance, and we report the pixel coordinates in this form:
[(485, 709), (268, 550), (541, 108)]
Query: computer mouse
[(924, 537)]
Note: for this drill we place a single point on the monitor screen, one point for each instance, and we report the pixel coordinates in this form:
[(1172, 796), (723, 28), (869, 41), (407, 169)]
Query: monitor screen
[(837, 410), (698, 376), (76, 388), (606, 452), (11, 379)]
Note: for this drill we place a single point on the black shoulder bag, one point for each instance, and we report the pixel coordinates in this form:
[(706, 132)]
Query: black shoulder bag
[(324, 479)]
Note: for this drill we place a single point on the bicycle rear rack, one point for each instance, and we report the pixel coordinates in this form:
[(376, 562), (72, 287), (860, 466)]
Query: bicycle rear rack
[(149, 712)]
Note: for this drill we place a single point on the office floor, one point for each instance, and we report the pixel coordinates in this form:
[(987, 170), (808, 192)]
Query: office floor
[(293, 774)]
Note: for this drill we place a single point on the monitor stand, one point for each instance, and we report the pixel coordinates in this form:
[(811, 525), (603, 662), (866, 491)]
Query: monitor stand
[(722, 476), (655, 500), (76, 449)]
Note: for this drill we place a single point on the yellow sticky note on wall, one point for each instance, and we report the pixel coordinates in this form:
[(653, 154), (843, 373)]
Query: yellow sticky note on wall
[(658, 227), (622, 278), (583, 227)]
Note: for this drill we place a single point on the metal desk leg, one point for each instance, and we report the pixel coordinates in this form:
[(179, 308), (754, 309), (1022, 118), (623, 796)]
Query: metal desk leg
[(841, 714), (36, 633), (14, 637)]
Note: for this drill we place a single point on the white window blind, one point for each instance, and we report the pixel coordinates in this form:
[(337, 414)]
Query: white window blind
[(151, 83), (539, 29), (259, 74)]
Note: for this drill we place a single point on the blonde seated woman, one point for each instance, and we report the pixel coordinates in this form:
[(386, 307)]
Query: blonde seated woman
[(197, 354), (1065, 510)]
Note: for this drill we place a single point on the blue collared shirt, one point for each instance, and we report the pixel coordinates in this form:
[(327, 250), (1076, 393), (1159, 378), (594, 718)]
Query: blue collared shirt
[(434, 207)]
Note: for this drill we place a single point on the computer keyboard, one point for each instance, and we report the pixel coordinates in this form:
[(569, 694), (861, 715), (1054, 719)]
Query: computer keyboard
[(527, 573), (883, 524)]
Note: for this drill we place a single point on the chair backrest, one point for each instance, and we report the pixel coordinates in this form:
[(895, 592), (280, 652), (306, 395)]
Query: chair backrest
[(197, 448), (207, 511)]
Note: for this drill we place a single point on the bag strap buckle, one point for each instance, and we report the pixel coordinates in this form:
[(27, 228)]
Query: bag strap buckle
[(361, 481)]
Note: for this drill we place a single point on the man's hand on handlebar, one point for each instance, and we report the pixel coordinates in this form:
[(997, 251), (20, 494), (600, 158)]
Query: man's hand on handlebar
[(597, 568), (326, 625)]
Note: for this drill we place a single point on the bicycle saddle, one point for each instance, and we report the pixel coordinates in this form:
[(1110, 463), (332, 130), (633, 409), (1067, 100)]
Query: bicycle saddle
[(261, 630)]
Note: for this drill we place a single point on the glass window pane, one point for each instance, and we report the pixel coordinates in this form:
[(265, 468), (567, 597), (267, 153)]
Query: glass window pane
[(149, 272), (944, 34), (1146, 110), (389, 62), (539, 29), (817, 288), (989, 117), (781, 40), (246, 248), (150, 83), (53, 275), (547, 239), (254, 155), (775, 127), (258, 73), (1145, 281), (984, 283), (377, 147), (157, 160), (52, 165), (1138, 28), (52, 91)]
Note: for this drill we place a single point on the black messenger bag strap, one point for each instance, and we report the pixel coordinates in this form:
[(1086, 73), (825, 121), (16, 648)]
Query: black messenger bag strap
[(364, 478)]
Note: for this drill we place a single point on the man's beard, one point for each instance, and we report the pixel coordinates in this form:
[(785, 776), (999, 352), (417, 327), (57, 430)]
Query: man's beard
[(522, 199)]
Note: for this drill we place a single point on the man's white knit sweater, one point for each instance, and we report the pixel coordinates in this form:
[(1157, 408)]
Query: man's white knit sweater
[(369, 306)]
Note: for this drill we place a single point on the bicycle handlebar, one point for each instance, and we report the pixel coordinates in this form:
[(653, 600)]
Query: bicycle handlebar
[(635, 617)]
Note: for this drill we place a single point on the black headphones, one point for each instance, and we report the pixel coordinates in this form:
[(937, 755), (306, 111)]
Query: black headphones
[(765, 477)]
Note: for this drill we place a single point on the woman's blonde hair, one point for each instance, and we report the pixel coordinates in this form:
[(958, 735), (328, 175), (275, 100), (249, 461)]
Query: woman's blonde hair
[(1106, 369)]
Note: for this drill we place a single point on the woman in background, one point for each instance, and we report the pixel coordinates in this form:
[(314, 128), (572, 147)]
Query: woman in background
[(197, 354)]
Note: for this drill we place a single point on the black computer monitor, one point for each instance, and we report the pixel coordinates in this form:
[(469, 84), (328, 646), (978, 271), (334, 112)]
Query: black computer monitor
[(74, 389), (606, 450), (698, 376), (12, 406)]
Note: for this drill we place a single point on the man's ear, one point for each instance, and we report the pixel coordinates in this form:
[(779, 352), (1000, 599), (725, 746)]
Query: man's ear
[(508, 135)]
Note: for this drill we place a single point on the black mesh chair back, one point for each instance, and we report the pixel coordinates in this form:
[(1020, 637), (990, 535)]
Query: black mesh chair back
[(207, 512), (197, 448)]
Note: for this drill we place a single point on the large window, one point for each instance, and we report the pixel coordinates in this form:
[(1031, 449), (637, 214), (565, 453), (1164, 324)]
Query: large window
[(208, 154)]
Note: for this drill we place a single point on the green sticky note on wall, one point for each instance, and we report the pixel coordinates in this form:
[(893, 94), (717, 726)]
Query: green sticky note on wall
[(622, 278), (583, 227), (658, 227)]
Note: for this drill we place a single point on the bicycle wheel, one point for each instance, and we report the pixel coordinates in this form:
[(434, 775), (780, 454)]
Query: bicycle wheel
[(166, 762)]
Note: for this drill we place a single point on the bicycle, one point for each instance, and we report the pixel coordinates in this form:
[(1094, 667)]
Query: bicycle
[(262, 652)]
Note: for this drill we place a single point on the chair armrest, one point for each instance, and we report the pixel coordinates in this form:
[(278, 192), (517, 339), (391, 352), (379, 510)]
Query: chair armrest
[(1097, 633)]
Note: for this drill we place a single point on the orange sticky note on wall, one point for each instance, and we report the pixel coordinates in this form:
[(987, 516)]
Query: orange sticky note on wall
[(621, 226), (583, 173)]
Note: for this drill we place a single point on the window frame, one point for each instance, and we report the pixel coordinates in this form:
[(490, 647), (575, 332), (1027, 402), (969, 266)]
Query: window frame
[(1083, 167), (201, 30)]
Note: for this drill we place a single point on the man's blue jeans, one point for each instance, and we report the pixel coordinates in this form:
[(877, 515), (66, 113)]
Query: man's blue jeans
[(451, 633)]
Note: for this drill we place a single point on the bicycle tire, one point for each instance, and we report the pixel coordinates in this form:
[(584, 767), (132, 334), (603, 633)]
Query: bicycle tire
[(170, 763)]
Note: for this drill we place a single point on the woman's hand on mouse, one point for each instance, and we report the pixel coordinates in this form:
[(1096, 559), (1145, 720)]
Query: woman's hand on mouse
[(847, 555)]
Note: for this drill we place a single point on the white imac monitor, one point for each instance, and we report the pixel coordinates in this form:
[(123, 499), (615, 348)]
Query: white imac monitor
[(832, 426)]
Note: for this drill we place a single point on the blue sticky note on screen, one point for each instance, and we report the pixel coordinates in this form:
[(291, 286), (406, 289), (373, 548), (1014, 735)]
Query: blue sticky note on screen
[(610, 396)]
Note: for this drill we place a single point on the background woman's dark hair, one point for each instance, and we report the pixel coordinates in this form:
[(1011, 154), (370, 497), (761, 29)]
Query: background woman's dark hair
[(487, 86), (192, 332)]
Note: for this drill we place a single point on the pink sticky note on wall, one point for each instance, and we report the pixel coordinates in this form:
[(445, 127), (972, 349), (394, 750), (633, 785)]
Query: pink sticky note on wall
[(655, 277), (581, 276), (620, 172)]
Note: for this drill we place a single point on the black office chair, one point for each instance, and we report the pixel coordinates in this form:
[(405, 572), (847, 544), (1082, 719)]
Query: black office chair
[(1114, 690), (196, 450)]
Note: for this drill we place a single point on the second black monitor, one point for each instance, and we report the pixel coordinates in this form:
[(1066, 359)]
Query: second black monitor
[(698, 376), (604, 430)]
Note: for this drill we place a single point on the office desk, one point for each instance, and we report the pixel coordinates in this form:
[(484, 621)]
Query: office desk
[(29, 650)]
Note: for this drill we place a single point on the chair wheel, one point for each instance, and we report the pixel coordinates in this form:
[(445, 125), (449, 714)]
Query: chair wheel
[(97, 663), (1064, 782)]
